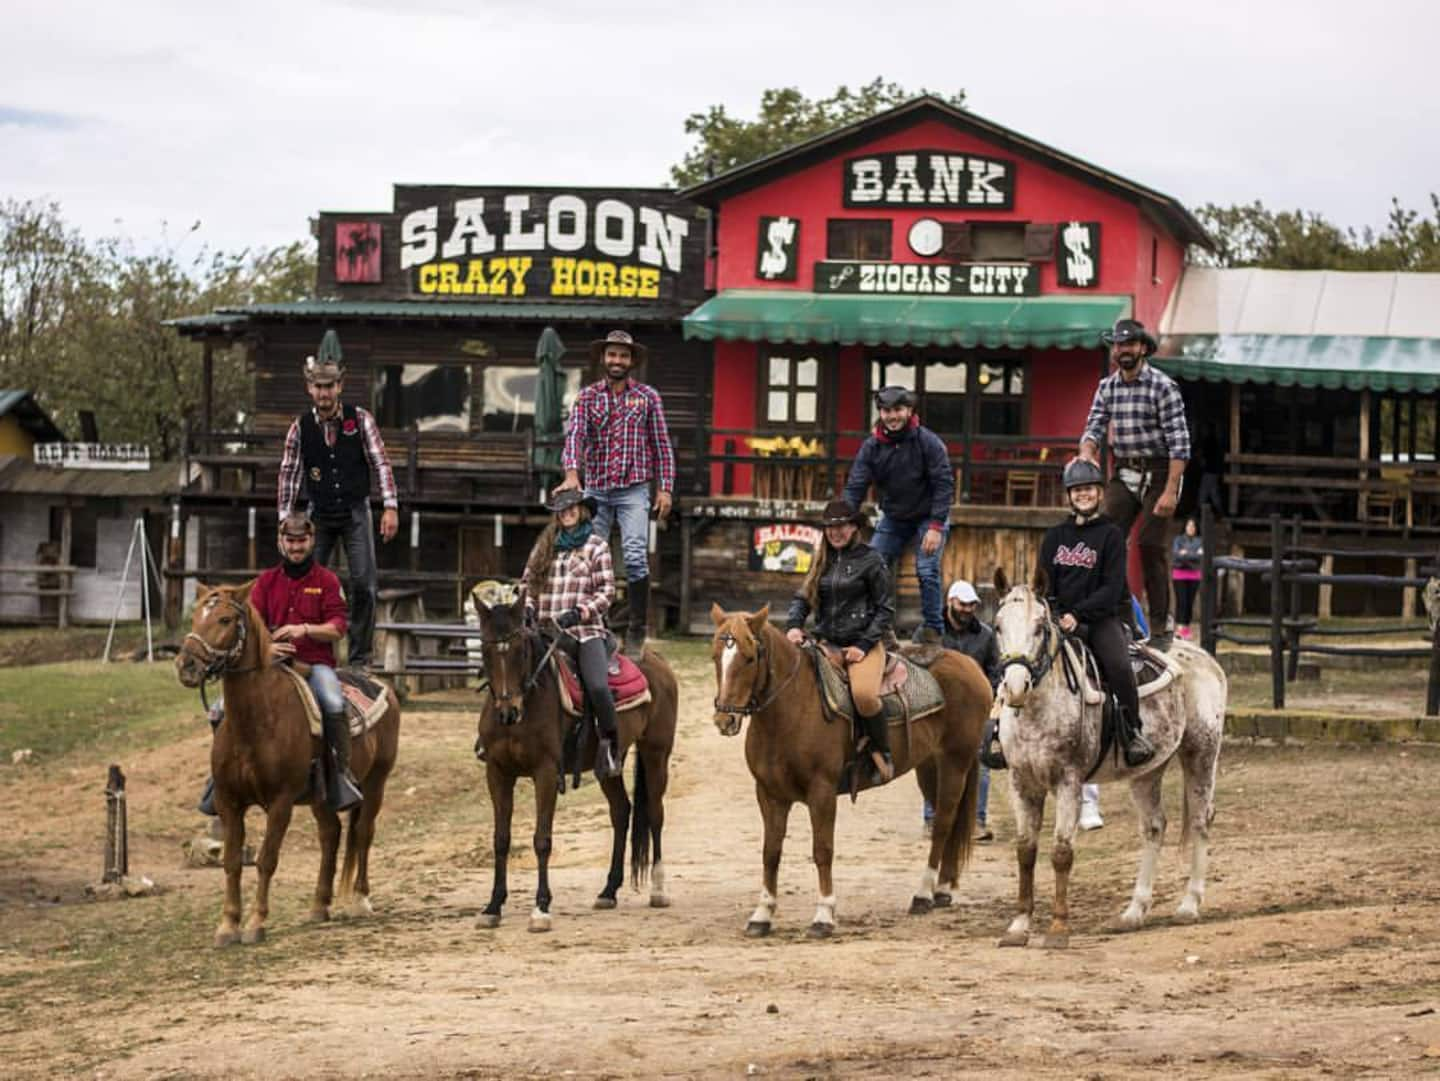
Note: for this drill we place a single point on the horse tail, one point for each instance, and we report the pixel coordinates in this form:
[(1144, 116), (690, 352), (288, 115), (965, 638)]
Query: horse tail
[(640, 826), (963, 833)]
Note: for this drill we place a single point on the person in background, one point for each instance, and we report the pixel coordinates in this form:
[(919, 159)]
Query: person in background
[(966, 633), (1185, 555)]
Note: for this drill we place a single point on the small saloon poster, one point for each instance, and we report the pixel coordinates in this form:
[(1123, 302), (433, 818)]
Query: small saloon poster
[(786, 548)]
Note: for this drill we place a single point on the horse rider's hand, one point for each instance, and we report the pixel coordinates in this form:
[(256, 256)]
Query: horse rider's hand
[(931, 542), (854, 654), (1165, 504), (663, 501), (288, 633), (1068, 623), (281, 650), (568, 618), (389, 524), (796, 635)]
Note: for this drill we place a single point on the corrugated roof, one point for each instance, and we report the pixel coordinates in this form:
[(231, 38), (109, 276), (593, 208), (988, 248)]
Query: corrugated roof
[(31, 417), (23, 477), (427, 310)]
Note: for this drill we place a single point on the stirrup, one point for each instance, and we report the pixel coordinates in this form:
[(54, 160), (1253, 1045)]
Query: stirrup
[(206, 806), (992, 754), (1138, 750), (608, 762)]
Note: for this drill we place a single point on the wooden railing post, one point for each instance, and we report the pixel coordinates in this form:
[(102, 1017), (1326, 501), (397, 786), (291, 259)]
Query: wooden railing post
[(117, 845), (1292, 632), (1208, 584), (1277, 609)]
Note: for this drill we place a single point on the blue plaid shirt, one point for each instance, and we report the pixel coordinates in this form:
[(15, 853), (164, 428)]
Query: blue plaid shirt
[(1148, 414)]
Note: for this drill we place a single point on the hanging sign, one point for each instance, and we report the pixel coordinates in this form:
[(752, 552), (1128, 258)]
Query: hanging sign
[(939, 279), (1079, 264), (777, 250), (786, 548), (93, 455), (928, 178)]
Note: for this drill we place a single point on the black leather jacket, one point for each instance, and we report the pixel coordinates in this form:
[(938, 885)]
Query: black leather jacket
[(854, 599), (975, 639)]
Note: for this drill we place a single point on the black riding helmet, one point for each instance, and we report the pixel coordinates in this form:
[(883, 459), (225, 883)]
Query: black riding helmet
[(1082, 471), (890, 397)]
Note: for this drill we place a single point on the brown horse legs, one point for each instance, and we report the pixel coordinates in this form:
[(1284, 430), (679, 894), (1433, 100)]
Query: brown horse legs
[(775, 816), (546, 793), (822, 828), (614, 789), (327, 822), (502, 799), (232, 820), (1028, 815), (277, 821)]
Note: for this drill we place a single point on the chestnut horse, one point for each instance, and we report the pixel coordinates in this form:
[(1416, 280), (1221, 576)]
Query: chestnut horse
[(797, 754), (261, 756), (522, 730)]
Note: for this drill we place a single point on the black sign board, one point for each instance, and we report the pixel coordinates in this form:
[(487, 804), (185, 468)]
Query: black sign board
[(929, 279), (929, 178), (1078, 265), (777, 250)]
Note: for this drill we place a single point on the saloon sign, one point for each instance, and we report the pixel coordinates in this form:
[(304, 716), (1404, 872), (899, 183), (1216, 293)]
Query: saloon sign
[(944, 279)]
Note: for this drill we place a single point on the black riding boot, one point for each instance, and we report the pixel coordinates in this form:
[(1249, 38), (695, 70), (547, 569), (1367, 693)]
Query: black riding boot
[(206, 806), (1138, 749), (637, 600), (341, 791), (879, 733), (608, 762)]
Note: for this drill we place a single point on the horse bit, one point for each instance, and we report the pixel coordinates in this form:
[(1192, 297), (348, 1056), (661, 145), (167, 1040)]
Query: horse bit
[(727, 639), (219, 661)]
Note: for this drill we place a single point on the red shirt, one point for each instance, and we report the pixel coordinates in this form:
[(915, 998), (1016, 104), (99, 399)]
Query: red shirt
[(313, 598)]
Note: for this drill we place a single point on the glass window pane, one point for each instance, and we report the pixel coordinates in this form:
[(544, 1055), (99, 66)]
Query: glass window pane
[(944, 414), (779, 371), (805, 407), (433, 397), (807, 372), (943, 378), (777, 406), (992, 379), (1017, 380)]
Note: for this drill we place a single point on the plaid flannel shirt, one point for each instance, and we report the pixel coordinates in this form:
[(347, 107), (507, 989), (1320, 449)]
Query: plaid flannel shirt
[(292, 466), (583, 579), (615, 441), (1148, 414)]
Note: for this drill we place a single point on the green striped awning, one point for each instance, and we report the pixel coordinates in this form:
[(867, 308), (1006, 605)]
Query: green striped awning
[(1333, 362), (785, 315)]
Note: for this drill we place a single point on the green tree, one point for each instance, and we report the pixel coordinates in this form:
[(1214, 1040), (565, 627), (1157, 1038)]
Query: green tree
[(786, 117), (1250, 235)]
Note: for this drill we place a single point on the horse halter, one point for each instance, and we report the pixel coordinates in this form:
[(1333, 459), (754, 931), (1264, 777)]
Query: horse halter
[(751, 707), (516, 698), (1042, 660), (218, 661)]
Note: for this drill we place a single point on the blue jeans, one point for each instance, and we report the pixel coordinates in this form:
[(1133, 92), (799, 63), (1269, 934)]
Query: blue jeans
[(890, 539), (929, 811), (358, 536), (325, 685), (631, 507)]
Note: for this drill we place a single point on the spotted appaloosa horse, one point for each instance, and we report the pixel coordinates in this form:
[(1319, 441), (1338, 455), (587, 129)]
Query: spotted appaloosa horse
[(261, 755), (796, 755), (1051, 740)]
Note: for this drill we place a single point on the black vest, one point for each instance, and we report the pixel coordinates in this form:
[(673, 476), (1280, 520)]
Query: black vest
[(338, 477)]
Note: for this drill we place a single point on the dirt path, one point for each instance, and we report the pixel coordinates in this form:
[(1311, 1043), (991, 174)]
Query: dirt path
[(1319, 952)]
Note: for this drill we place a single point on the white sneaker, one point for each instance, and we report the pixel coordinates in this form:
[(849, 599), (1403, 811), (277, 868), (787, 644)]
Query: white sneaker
[(1090, 816)]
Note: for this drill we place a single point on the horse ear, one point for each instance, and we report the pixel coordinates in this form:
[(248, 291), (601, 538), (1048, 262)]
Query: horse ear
[(1041, 582), (243, 593), (1002, 584), (757, 620), (717, 614)]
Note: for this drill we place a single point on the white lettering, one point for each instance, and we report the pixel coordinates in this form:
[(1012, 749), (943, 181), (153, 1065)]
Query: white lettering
[(418, 242), (606, 211), (906, 185), (983, 174), (469, 236), (517, 237), (569, 208), (664, 234), (946, 172), (867, 185)]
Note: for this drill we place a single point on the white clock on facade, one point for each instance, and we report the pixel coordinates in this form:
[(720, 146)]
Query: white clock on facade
[(926, 237)]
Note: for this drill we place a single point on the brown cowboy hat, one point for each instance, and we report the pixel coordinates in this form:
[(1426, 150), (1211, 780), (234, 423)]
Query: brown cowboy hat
[(839, 512), (297, 525), (618, 337), (323, 371), (564, 498)]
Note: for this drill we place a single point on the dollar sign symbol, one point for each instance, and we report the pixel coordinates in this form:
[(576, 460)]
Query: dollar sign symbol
[(779, 235), (1079, 264)]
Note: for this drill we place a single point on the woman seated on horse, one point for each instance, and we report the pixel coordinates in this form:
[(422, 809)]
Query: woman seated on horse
[(1083, 559), (848, 591), (569, 581)]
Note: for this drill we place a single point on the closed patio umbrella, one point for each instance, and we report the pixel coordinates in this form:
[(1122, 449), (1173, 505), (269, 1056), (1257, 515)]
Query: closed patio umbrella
[(549, 396)]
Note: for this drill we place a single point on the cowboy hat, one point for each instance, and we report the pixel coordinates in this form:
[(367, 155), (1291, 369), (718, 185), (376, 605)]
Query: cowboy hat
[(638, 352), (323, 371), (839, 512), (565, 498), (296, 525), (1130, 330)]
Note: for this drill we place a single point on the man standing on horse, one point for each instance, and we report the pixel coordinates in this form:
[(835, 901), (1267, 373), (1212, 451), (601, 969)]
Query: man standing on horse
[(615, 445), (1151, 445), (334, 450), (910, 468)]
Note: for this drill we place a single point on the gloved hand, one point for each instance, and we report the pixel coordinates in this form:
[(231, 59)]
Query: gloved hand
[(568, 618)]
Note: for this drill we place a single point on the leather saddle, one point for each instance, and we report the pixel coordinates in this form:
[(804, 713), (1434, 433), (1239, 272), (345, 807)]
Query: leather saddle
[(627, 683), (907, 690), (365, 699)]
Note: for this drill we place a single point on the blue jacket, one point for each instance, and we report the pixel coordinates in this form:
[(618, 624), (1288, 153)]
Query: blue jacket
[(911, 473)]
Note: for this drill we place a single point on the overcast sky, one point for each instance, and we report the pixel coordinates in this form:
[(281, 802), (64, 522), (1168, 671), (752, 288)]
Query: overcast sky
[(138, 114)]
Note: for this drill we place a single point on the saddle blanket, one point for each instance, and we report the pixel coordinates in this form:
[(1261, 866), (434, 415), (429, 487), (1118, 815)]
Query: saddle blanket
[(627, 683), (907, 690), (366, 701), (1154, 671)]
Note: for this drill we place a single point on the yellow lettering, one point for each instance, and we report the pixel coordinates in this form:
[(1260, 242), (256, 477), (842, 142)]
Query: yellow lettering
[(585, 277), (426, 278), (499, 287), (605, 280), (649, 287), (475, 279), (562, 277), (449, 278), (519, 266), (628, 276)]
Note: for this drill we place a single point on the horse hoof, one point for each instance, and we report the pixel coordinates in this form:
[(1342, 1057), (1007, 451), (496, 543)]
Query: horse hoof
[(539, 923), (488, 920), (943, 900), (1057, 941), (318, 915), (253, 936), (226, 938), (659, 900), (820, 930), (1014, 938), (604, 902), (1187, 913), (756, 929), (921, 906), (359, 908)]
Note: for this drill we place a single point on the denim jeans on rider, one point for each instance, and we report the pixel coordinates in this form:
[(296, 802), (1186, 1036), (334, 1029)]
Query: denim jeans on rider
[(631, 508), (358, 534), (326, 686), (890, 539)]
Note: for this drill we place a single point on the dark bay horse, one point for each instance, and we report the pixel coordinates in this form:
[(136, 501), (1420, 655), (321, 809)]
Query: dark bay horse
[(522, 729), (261, 756), (796, 755)]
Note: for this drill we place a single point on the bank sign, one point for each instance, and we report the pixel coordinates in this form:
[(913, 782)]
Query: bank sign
[(630, 246), (929, 279)]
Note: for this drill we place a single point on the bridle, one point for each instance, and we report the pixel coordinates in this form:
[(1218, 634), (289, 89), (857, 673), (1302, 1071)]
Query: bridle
[(1043, 659), (725, 638), (501, 645), (220, 661)]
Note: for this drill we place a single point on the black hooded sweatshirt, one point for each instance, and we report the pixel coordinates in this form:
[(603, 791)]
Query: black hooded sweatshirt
[(1086, 569)]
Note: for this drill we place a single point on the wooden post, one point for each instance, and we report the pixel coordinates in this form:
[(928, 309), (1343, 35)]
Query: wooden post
[(174, 567), (251, 555), (1327, 591), (66, 539), (1409, 594), (1432, 688), (1277, 608), (1234, 488), (207, 378), (687, 546), (1293, 631), (414, 540), (117, 847), (1207, 578)]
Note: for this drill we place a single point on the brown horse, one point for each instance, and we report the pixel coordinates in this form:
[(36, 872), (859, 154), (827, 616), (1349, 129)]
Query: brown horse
[(261, 756), (522, 729), (797, 755)]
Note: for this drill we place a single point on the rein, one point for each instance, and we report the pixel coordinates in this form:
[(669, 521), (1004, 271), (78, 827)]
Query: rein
[(528, 683), (752, 707), (219, 662), (1041, 661)]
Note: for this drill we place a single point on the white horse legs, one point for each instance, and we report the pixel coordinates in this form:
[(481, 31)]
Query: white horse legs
[(1145, 791), (1199, 810), (1029, 811)]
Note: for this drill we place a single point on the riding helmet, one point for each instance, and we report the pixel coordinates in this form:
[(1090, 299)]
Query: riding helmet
[(1082, 471)]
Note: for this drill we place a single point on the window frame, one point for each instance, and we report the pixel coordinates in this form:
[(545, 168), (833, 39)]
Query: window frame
[(764, 387), (975, 398), (831, 226)]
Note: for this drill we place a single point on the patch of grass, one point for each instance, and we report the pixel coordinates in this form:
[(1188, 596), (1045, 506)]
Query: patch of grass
[(54, 709)]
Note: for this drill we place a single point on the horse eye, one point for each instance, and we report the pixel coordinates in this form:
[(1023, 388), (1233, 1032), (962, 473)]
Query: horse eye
[(226, 620)]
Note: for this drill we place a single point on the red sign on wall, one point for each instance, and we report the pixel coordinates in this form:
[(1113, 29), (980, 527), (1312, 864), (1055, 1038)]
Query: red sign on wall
[(357, 251)]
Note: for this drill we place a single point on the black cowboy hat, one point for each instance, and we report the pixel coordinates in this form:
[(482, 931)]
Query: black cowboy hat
[(565, 498), (1130, 330), (839, 512), (618, 337)]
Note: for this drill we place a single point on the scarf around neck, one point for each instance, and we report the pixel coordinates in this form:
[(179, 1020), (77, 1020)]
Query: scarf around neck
[(567, 540), (301, 569)]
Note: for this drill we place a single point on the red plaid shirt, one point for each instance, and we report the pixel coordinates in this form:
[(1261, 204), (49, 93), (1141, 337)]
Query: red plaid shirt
[(583, 578), (616, 440)]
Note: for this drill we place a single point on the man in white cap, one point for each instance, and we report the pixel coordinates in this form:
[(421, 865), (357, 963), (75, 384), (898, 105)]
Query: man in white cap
[(966, 633)]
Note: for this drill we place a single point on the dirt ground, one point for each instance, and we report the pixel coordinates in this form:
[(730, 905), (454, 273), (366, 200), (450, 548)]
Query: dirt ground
[(1318, 952)]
